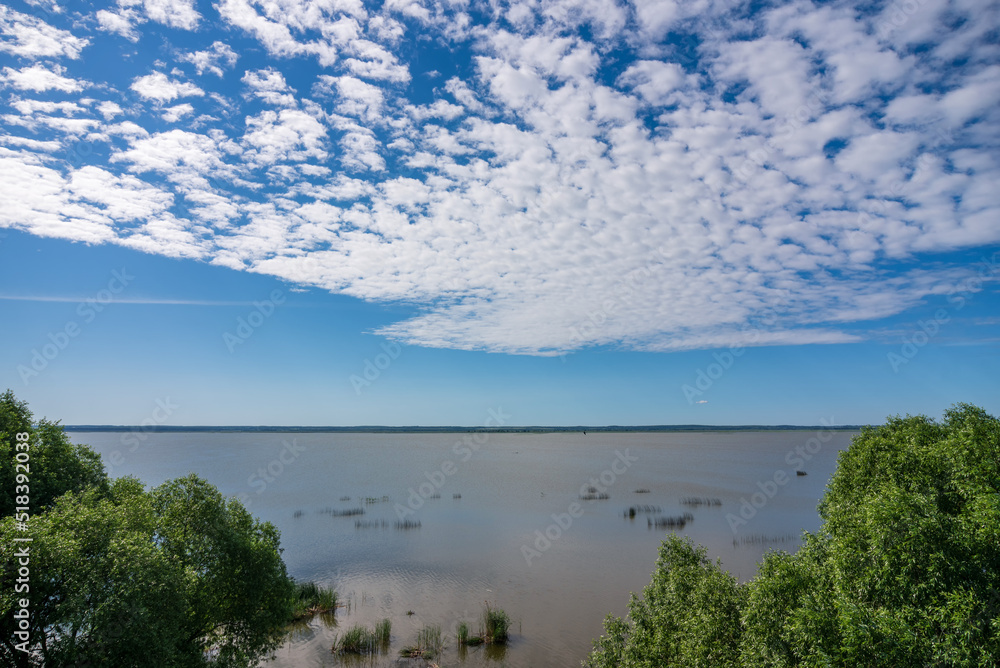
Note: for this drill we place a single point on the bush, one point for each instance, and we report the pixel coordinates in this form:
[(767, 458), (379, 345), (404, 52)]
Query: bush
[(905, 570)]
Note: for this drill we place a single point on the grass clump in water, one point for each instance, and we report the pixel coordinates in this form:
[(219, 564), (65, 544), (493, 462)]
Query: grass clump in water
[(311, 599), (464, 637), (359, 639), (496, 624), (429, 644)]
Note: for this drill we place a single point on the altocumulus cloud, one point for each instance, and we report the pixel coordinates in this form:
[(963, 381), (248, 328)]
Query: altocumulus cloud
[(535, 177)]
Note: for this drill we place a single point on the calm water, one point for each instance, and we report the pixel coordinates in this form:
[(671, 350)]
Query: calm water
[(475, 548)]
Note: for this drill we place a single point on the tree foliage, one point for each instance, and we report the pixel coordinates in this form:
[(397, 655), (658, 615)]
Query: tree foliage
[(120, 576), (57, 465), (905, 570)]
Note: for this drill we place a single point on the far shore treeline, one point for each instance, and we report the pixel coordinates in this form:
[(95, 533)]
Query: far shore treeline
[(363, 429), (904, 571)]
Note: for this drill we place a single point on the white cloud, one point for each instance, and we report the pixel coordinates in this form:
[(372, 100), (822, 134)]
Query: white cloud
[(216, 59), (177, 112), (173, 13), (39, 78), (159, 87), (574, 181), (121, 22), (30, 37), (285, 135), (131, 13), (270, 85)]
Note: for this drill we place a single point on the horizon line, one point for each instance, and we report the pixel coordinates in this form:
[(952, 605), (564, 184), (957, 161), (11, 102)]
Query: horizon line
[(457, 428)]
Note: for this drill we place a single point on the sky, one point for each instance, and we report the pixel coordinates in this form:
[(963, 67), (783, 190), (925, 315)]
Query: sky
[(559, 212)]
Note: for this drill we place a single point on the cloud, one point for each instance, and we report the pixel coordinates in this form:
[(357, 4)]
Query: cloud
[(39, 78), (132, 13), (216, 59), (30, 37), (270, 86), (159, 87), (780, 176)]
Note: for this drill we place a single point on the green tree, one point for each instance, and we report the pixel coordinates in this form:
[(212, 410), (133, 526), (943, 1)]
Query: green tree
[(905, 570), (689, 615), (177, 576), (56, 464)]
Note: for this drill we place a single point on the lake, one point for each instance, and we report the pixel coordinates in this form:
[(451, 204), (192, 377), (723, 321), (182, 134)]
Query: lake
[(500, 519)]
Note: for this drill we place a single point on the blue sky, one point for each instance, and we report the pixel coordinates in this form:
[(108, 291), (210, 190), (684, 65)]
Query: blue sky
[(578, 211)]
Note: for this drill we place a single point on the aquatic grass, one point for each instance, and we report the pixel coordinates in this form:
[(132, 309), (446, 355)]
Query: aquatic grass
[(465, 638), (359, 639), (356, 640), (348, 512), (407, 524), (429, 644), (642, 490), (495, 624), (671, 522), (591, 496), (694, 501), (371, 524), (310, 599), (383, 631), (635, 510)]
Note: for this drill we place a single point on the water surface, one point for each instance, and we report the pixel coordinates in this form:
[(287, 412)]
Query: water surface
[(485, 545)]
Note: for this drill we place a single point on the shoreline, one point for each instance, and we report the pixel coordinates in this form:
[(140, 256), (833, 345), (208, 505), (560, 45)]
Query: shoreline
[(613, 429)]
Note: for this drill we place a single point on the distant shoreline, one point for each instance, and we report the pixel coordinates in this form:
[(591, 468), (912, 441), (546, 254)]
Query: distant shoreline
[(450, 430)]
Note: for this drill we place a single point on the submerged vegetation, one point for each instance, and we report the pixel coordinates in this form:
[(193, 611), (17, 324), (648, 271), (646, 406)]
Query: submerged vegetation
[(904, 571), (496, 624), (669, 522), (346, 512), (593, 495), (359, 639), (429, 644), (312, 599), (695, 501), (636, 510)]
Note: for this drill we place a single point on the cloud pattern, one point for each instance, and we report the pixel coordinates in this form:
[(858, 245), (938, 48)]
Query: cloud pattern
[(534, 176)]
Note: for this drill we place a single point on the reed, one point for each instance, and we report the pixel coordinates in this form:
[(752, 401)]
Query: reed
[(670, 522), (695, 501), (636, 510), (496, 624), (347, 512), (359, 639), (429, 644), (310, 599)]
